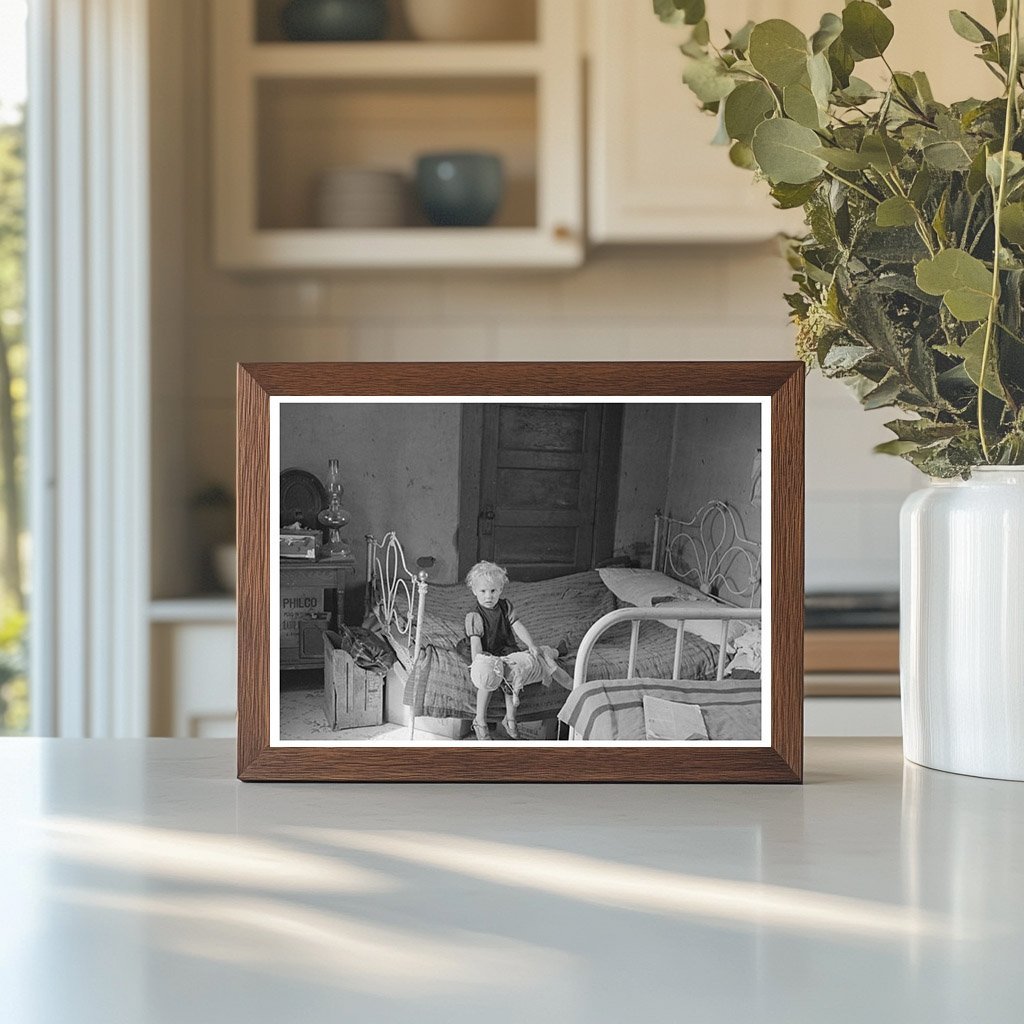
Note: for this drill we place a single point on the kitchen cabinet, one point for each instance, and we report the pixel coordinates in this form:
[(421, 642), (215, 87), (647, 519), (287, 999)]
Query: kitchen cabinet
[(287, 113), (653, 175)]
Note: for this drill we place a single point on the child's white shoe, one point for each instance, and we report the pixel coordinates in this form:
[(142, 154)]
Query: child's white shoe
[(509, 724), (481, 730)]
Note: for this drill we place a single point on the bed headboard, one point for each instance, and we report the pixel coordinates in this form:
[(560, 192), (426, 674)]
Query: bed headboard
[(709, 551), (394, 593)]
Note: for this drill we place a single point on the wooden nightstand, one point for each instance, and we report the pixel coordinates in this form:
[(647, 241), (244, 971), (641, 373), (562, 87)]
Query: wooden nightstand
[(312, 600)]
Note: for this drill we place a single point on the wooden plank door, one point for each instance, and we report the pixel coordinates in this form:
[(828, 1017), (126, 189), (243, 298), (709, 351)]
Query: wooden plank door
[(539, 486)]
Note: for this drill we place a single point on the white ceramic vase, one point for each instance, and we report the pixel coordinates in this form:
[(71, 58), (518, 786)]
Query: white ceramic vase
[(962, 624)]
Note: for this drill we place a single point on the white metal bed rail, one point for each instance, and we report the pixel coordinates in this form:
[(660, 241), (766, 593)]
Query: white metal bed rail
[(679, 612)]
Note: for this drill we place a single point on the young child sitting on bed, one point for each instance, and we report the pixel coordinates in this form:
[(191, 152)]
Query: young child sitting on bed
[(494, 633)]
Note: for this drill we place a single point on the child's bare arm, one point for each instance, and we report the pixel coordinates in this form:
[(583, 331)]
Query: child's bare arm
[(476, 646), (524, 635)]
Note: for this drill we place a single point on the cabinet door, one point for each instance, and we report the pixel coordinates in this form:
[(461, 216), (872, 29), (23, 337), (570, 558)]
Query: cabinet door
[(654, 175)]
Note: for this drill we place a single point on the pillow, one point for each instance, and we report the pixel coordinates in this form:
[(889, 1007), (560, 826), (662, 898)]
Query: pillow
[(672, 720), (640, 587), (747, 662), (647, 588)]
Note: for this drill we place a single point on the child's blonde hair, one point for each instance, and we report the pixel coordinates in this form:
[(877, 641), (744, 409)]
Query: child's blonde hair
[(486, 571)]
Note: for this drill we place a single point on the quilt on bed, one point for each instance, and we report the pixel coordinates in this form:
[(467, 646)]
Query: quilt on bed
[(613, 709), (554, 611)]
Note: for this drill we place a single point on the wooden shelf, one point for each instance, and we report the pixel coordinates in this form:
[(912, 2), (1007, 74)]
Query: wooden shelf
[(852, 650), (400, 247), (393, 60)]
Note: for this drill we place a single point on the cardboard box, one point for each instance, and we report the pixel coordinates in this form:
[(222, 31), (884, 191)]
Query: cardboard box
[(353, 697)]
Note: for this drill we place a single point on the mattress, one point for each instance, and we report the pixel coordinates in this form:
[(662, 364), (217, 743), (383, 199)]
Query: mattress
[(612, 709), (554, 611)]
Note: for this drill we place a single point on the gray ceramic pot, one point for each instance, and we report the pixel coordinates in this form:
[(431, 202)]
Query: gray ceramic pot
[(460, 189), (334, 20)]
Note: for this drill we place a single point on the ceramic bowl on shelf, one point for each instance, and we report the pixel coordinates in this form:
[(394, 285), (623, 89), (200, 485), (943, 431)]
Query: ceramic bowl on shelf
[(334, 20), (361, 198), (471, 20), (460, 189)]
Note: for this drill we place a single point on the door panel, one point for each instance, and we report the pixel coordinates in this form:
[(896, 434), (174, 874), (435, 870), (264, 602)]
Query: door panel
[(536, 486), (530, 546)]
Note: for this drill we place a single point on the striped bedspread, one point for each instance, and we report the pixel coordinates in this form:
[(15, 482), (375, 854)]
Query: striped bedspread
[(613, 709), (556, 610)]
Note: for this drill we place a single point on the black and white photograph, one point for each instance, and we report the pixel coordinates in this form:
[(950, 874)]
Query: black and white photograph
[(523, 570)]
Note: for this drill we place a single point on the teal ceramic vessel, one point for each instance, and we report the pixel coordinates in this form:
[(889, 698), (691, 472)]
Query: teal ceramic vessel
[(460, 189), (332, 21)]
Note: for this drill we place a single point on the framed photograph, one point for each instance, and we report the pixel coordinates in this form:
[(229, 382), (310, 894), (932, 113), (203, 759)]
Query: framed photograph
[(532, 572)]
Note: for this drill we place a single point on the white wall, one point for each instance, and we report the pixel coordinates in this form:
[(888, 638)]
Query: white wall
[(710, 302)]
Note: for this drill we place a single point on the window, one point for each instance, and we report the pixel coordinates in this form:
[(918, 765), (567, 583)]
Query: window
[(14, 548)]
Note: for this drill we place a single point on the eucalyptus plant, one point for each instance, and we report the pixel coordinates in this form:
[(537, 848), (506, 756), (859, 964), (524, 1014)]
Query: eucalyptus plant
[(909, 280)]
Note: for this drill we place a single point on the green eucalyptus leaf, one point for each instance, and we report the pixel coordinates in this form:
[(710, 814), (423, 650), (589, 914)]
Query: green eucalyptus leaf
[(707, 80), (921, 185), (999, 7), (971, 352), (858, 91), (789, 197), (800, 105), (883, 153), (924, 87), (884, 395), (739, 41), (939, 220), (946, 156), (741, 155), (820, 76), (994, 168), (778, 50), (866, 29), (785, 152), (745, 108), (976, 174), (844, 159), (841, 60), (830, 29), (1012, 223), (896, 212), (923, 431), (963, 281), (701, 33), (895, 447), (721, 136), (969, 28), (676, 12)]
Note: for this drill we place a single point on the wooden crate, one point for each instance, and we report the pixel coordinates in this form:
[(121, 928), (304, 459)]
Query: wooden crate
[(353, 697)]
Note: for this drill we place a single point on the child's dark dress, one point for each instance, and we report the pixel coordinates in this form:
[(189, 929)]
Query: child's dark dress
[(494, 627)]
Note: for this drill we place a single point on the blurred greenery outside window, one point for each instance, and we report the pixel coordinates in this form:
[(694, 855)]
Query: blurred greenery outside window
[(14, 548)]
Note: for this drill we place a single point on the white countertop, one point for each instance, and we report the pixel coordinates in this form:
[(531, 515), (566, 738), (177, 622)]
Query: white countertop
[(143, 884)]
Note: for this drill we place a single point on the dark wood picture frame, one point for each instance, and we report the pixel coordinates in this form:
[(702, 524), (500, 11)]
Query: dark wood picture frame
[(782, 761)]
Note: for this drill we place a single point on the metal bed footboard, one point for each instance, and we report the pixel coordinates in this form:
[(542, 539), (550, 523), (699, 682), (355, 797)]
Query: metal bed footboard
[(681, 613), (390, 584)]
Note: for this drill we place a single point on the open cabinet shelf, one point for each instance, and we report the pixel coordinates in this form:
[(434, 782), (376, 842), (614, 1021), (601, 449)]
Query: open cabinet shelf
[(287, 114)]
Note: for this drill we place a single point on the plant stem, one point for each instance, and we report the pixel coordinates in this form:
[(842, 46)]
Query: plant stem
[(855, 187), (993, 309), (922, 225)]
